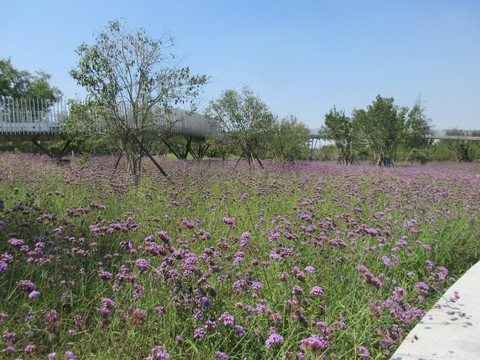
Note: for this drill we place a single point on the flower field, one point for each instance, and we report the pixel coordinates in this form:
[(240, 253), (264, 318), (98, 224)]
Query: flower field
[(305, 261)]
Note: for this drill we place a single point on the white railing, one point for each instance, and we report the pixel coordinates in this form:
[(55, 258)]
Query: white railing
[(35, 116)]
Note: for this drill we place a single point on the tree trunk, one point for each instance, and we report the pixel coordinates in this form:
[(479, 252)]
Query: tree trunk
[(133, 155)]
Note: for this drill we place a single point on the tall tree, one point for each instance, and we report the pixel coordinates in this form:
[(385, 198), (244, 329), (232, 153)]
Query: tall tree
[(383, 126), (342, 130), (418, 134), (418, 129), (289, 139), (133, 80), (19, 84), (245, 119)]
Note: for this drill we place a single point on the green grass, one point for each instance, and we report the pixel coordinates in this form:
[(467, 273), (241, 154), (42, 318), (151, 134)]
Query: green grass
[(330, 217)]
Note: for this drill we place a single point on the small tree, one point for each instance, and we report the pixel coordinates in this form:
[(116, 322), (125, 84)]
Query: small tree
[(418, 134), (245, 119), (289, 139), (383, 126), (133, 81), (342, 130)]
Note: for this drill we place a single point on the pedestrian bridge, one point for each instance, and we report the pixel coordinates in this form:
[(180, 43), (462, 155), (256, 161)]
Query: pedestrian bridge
[(32, 118), (42, 119)]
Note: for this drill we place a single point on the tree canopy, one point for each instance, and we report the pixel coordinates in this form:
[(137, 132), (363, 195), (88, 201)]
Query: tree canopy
[(133, 81), (384, 127), (245, 119), (342, 130), (289, 139), (19, 84)]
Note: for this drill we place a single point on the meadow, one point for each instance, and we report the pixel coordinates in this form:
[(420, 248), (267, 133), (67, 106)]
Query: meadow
[(227, 261)]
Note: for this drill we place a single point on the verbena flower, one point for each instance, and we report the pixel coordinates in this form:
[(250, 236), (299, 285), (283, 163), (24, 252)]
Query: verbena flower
[(26, 285), (363, 352), (273, 339), (220, 355), (34, 294), (317, 291), (29, 348), (158, 352), (314, 344), (227, 319)]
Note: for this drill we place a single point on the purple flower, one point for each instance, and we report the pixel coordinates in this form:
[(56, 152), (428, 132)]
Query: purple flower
[(364, 352), (314, 344), (244, 240), (34, 294), (422, 287), (142, 265), (310, 269), (317, 291), (29, 348), (386, 260), (199, 333), (227, 319), (26, 285), (16, 242), (400, 292), (9, 350), (239, 330), (297, 290), (108, 304), (30, 318), (9, 337), (277, 318), (159, 353), (220, 355), (3, 316), (273, 339), (3, 267)]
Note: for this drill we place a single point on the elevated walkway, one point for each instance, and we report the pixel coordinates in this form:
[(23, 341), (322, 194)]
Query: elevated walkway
[(27, 117), (21, 119), (451, 330)]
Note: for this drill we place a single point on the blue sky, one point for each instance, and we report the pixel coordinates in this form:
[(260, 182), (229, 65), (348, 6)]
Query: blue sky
[(299, 57)]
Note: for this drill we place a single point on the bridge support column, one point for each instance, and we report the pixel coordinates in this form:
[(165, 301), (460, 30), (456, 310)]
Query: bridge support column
[(57, 157), (312, 145), (187, 150), (171, 149)]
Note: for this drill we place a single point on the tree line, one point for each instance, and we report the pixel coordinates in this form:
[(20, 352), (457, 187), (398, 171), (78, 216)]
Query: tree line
[(383, 127), (386, 133), (125, 67)]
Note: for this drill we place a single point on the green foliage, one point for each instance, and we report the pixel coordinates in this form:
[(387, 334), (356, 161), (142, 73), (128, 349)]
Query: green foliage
[(245, 120), (289, 140), (132, 79), (85, 127), (80, 223), (418, 130), (422, 156), (456, 150), (18, 84), (343, 131), (329, 152), (383, 125), (218, 146), (386, 128)]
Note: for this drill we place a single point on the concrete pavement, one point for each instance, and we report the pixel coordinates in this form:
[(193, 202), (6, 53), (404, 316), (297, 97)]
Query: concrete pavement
[(451, 332)]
